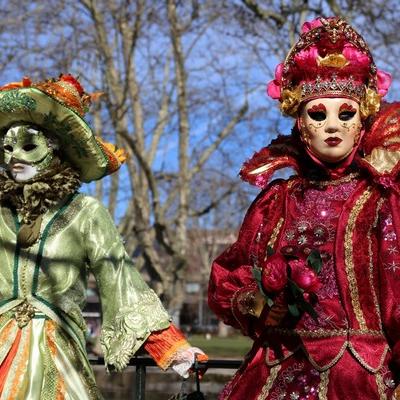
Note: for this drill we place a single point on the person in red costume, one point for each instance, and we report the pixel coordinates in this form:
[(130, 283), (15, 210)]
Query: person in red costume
[(314, 276)]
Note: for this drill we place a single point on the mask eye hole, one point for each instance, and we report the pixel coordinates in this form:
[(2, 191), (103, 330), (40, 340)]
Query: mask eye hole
[(347, 115), (317, 115), (8, 147), (29, 147)]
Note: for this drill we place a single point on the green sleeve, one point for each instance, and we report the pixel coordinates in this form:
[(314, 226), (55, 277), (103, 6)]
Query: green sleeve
[(130, 309)]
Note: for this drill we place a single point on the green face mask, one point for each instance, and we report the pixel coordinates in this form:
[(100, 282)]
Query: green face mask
[(25, 144)]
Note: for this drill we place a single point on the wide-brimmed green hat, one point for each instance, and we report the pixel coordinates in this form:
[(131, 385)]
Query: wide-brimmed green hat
[(58, 106)]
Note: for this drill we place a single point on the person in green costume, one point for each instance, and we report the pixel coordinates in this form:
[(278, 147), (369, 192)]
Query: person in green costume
[(51, 237)]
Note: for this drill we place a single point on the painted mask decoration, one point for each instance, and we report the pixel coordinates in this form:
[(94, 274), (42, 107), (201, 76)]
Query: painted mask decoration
[(27, 151), (330, 127)]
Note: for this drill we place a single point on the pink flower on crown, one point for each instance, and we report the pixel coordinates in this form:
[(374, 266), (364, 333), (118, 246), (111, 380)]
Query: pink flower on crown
[(306, 58), (355, 56), (384, 80), (307, 26), (274, 87)]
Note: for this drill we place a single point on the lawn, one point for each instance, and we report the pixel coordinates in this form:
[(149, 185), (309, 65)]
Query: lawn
[(235, 346)]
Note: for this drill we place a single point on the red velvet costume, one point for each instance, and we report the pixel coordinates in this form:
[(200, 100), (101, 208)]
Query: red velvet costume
[(351, 215)]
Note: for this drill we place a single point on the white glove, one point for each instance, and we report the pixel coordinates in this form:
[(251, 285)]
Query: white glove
[(184, 359)]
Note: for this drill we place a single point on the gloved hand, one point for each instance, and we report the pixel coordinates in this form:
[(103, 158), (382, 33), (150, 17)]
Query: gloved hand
[(185, 358)]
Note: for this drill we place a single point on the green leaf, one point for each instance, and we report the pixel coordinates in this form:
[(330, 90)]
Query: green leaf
[(295, 290), (257, 274), (309, 309), (294, 310), (314, 260), (270, 251)]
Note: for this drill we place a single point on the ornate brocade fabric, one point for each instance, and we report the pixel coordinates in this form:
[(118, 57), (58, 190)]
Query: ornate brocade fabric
[(347, 352), (42, 292)]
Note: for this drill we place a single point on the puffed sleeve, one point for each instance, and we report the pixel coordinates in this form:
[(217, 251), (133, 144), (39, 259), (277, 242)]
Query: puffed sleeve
[(131, 311), (233, 293), (389, 262)]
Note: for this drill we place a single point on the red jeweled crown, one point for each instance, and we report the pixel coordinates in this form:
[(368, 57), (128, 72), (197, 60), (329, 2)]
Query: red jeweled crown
[(330, 60)]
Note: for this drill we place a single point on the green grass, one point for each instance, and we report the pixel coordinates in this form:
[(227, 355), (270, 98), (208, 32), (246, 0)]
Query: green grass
[(230, 347)]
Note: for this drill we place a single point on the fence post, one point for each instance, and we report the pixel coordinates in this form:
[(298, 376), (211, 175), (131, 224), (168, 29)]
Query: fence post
[(140, 381)]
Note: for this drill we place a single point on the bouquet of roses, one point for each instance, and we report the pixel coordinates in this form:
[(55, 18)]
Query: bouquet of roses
[(292, 276)]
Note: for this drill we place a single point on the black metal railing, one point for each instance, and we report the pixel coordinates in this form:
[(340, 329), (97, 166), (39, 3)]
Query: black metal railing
[(142, 363)]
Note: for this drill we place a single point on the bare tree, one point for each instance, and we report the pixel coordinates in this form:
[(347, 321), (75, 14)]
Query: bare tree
[(138, 53), (183, 85)]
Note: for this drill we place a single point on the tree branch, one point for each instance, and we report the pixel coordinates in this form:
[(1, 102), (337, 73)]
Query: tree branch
[(211, 206), (220, 137), (181, 78), (163, 116), (264, 14)]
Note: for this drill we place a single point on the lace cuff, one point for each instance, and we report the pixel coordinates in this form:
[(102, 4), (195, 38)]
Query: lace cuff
[(124, 335)]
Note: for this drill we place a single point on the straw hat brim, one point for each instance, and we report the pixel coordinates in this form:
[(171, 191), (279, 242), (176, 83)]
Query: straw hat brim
[(77, 141)]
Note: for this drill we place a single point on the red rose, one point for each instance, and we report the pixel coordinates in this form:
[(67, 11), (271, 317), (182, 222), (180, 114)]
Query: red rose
[(274, 275), (304, 276)]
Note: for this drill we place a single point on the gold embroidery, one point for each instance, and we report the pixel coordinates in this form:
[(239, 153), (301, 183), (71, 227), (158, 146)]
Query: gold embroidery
[(25, 274), (381, 386), (322, 333), (292, 181), (275, 233), (23, 282), (371, 264), (335, 182), (348, 249), (364, 364), (332, 363), (323, 385), (273, 373), (24, 313)]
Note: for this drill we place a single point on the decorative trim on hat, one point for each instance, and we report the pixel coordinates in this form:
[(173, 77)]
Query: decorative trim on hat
[(116, 157), (336, 29), (58, 107), (332, 87), (329, 60)]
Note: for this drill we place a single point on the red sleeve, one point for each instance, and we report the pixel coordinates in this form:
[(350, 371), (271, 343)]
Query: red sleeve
[(389, 260), (231, 280)]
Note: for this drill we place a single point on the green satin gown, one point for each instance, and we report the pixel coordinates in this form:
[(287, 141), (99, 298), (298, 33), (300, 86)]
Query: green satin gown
[(42, 293)]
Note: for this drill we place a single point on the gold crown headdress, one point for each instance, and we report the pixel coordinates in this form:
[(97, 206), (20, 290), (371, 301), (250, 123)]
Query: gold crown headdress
[(330, 60)]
